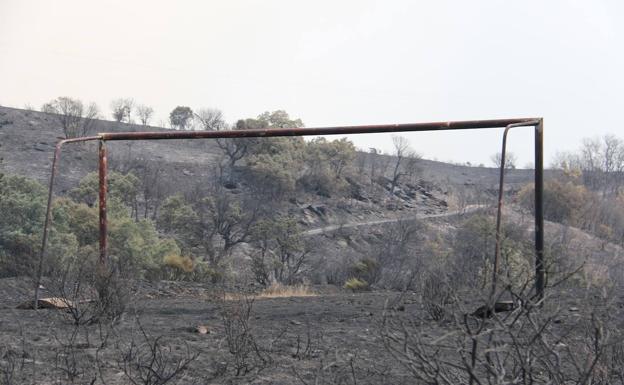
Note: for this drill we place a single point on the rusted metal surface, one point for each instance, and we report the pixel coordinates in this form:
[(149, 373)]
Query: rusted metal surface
[(103, 174), (540, 271), (340, 130), (48, 215), (499, 209)]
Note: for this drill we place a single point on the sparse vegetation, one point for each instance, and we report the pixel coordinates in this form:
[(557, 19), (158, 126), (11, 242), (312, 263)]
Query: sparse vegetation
[(246, 354), (437, 295), (148, 360), (510, 160), (356, 284), (277, 290), (282, 253), (405, 160), (144, 113), (122, 110), (181, 117), (210, 119), (74, 118), (337, 264)]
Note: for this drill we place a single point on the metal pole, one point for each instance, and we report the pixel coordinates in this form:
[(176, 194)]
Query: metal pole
[(103, 173), (540, 271), (499, 211), (46, 224), (341, 130), (408, 127), (48, 215)]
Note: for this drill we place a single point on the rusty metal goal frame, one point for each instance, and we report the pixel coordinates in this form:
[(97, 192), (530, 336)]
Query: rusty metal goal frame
[(507, 124)]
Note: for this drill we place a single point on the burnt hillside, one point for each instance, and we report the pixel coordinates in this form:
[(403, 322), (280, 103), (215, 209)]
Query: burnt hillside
[(28, 139)]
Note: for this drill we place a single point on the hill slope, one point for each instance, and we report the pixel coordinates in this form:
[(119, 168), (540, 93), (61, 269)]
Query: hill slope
[(28, 139)]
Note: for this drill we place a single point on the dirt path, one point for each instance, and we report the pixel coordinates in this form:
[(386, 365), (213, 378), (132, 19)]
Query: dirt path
[(327, 229)]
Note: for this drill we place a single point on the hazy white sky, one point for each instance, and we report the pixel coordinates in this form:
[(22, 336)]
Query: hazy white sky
[(333, 62)]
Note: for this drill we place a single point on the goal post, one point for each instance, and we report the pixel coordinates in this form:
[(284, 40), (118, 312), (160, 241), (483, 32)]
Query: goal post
[(102, 138)]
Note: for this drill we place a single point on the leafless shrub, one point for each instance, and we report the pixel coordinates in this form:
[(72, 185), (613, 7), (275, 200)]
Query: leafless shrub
[(326, 270), (122, 109), (529, 345), (67, 360), (398, 254), (436, 295), (72, 115), (13, 362), (210, 119), (510, 160), (76, 293), (406, 160), (150, 360), (73, 359), (113, 296), (9, 365), (106, 332), (614, 362), (246, 355), (86, 304), (308, 346), (144, 113), (333, 368)]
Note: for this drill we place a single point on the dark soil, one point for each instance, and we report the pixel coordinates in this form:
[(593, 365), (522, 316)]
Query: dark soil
[(329, 338)]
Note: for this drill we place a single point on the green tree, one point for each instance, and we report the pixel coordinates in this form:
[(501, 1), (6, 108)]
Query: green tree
[(325, 165), (276, 165), (266, 156), (78, 219), (251, 124), (339, 153), (210, 227), (123, 191), (181, 117), (279, 119), (237, 148), (134, 245), (22, 211), (282, 251), (178, 219), (136, 248)]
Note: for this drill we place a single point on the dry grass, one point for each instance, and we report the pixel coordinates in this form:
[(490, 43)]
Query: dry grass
[(277, 290)]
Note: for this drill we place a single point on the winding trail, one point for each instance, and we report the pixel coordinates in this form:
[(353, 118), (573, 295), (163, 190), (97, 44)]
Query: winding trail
[(330, 228)]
